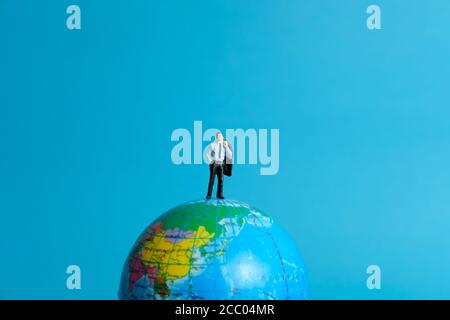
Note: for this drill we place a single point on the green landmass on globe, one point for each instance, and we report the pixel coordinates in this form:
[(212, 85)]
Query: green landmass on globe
[(213, 249)]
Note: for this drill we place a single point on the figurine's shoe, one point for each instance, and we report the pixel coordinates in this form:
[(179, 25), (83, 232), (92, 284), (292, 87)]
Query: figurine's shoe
[(208, 197), (220, 197)]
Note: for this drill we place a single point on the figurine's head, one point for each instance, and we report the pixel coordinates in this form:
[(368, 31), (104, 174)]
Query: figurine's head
[(219, 136)]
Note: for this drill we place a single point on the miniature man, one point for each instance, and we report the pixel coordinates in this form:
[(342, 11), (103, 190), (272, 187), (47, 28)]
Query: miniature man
[(215, 154)]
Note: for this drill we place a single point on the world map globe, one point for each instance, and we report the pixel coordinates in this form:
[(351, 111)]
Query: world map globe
[(213, 249)]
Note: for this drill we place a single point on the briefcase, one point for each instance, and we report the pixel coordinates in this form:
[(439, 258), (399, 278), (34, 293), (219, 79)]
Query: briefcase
[(227, 167)]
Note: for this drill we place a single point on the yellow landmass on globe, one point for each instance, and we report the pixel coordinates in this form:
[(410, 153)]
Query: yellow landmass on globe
[(173, 256)]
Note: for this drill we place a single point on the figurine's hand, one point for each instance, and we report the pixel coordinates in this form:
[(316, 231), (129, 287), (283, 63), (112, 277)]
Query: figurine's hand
[(225, 144)]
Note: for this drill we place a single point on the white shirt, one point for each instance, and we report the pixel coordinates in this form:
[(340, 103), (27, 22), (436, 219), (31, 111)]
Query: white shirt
[(216, 152)]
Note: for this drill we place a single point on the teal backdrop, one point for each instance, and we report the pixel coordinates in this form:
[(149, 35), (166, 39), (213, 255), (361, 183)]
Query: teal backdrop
[(86, 118)]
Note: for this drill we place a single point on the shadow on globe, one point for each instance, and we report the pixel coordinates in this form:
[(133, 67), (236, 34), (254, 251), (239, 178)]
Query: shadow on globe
[(213, 249)]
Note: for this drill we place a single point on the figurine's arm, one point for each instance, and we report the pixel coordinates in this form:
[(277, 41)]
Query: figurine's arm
[(208, 154)]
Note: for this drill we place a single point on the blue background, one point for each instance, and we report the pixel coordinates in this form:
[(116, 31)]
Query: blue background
[(86, 118)]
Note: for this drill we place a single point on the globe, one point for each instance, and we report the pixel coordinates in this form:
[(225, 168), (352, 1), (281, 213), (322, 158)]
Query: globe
[(213, 249)]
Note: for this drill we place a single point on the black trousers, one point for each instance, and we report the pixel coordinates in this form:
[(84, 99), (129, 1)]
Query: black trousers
[(215, 169)]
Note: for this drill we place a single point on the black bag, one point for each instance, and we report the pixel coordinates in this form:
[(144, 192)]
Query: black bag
[(227, 167)]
